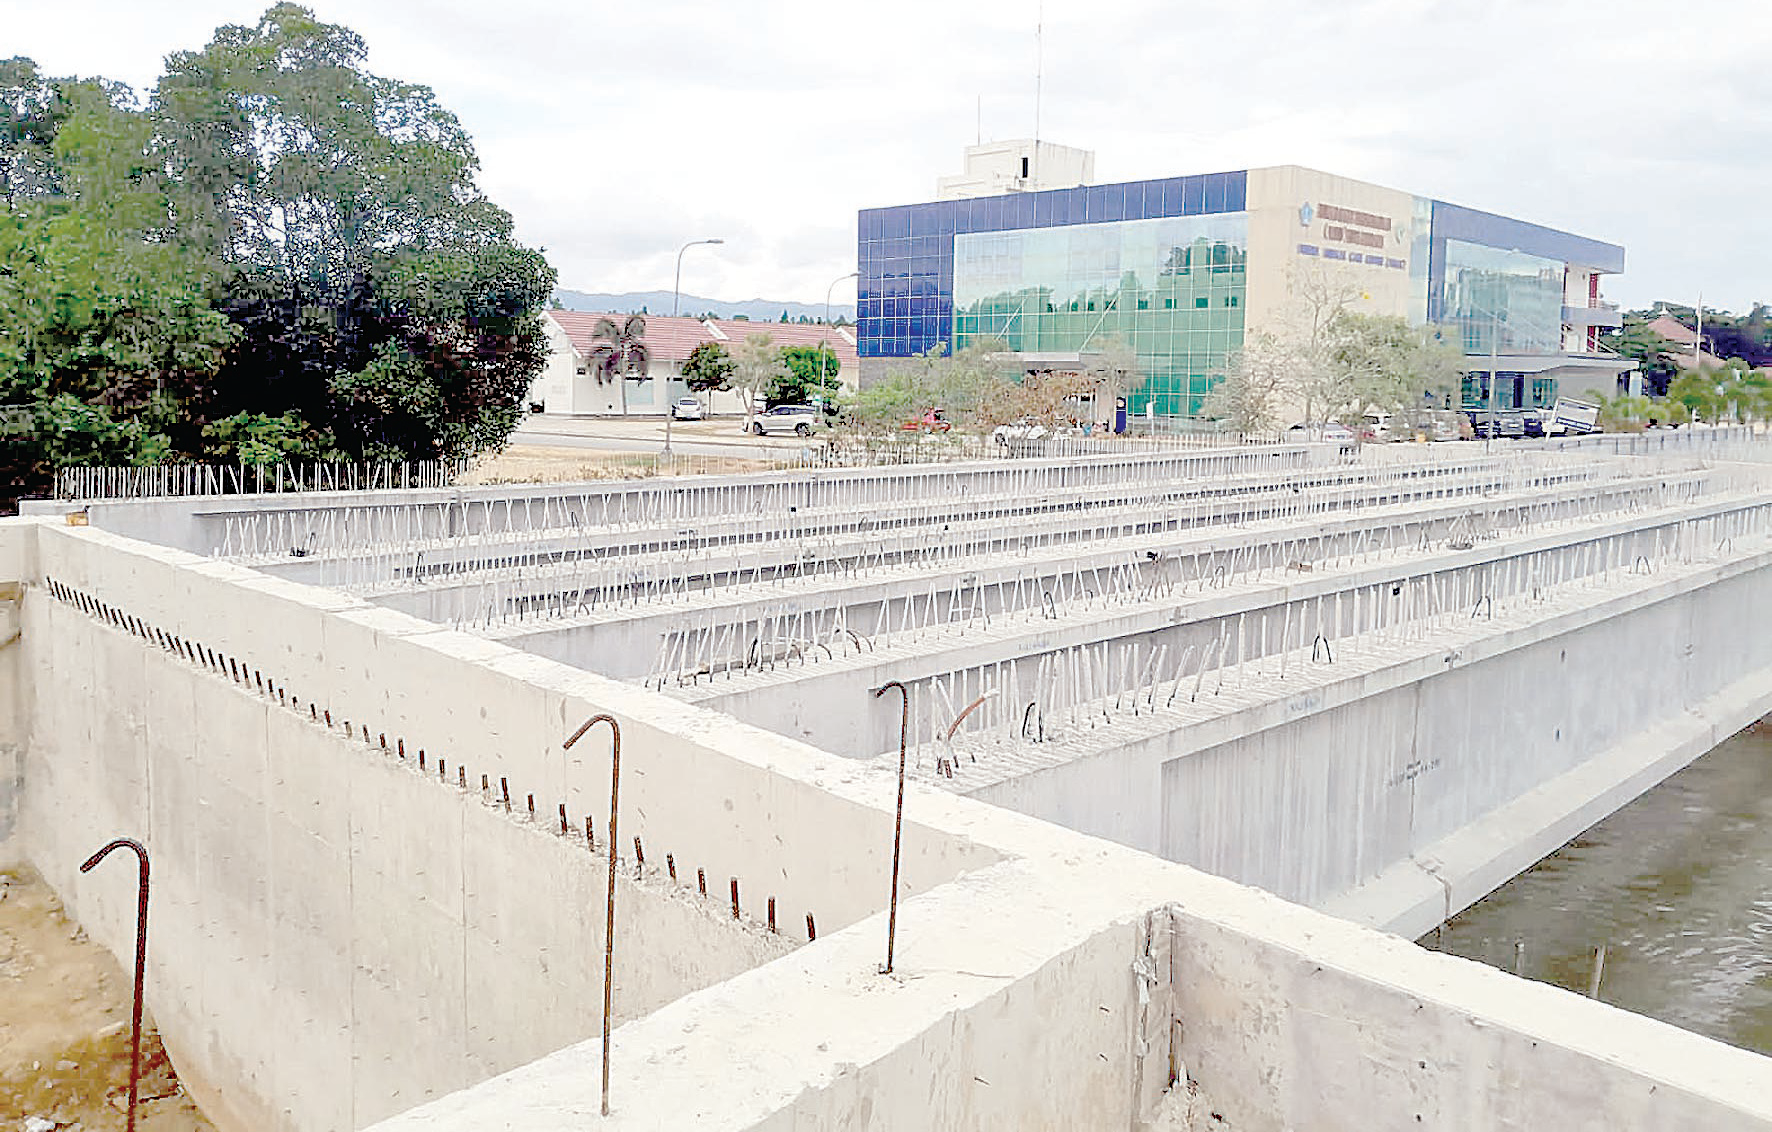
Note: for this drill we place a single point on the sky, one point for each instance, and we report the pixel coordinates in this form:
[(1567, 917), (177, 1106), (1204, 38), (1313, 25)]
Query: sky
[(615, 133)]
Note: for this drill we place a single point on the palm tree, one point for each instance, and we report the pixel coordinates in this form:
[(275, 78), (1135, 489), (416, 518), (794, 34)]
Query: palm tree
[(621, 349)]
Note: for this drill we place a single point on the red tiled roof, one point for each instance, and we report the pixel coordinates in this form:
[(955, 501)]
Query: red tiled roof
[(672, 339), (668, 338), (839, 338), (1672, 329)]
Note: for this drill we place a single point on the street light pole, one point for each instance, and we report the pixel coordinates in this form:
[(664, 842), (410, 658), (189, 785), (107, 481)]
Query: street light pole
[(822, 348), (676, 301), (677, 288)]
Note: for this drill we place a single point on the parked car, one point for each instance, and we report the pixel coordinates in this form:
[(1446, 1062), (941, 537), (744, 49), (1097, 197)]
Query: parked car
[(797, 419), (686, 409), (1018, 432), (1444, 424), (1509, 424), (932, 420), (1375, 426), (1329, 432)]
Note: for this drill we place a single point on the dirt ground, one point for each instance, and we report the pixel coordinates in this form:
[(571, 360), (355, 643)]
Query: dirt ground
[(64, 1027), (527, 463)]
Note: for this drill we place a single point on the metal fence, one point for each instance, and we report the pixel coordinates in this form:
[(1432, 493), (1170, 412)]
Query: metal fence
[(163, 481)]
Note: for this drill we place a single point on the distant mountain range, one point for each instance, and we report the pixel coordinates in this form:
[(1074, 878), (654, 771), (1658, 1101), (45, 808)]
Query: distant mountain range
[(659, 302)]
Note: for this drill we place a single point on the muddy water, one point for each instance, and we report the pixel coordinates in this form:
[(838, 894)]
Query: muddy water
[(1677, 886)]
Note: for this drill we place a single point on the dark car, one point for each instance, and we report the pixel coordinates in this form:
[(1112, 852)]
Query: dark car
[(1510, 424)]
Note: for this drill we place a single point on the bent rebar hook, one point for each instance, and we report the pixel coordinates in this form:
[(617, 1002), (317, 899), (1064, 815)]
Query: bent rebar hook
[(904, 724), (609, 922), (141, 958)]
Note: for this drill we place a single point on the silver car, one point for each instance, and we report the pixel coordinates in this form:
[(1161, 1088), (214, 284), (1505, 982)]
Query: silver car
[(797, 419)]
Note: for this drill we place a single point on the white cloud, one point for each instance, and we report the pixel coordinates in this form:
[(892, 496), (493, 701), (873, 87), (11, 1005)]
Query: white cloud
[(614, 133)]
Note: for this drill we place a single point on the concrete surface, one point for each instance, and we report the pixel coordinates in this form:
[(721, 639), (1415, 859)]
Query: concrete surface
[(338, 936)]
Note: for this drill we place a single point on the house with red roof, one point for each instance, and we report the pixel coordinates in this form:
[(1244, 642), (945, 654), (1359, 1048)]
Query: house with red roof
[(570, 384), (1692, 354)]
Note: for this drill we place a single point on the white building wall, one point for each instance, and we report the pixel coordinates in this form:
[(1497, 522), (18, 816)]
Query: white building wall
[(995, 168), (554, 388)]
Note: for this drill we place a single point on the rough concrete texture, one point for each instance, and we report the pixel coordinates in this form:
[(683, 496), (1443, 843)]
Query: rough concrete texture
[(1044, 978), (335, 935)]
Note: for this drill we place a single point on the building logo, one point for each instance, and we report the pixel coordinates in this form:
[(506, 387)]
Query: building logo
[(1399, 235), (1305, 214)]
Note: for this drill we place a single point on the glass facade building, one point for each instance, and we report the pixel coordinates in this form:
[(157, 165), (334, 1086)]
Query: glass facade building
[(1172, 289), (949, 272), (1179, 269)]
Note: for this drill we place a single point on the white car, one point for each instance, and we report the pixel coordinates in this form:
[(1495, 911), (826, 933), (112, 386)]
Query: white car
[(1331, 432), (798, 419), (686, 409), (1023, 430)]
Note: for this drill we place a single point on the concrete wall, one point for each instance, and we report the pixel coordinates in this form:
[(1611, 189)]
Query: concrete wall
[(1043, 979), (322, 911), (336, 935), (1380, 788), (18, 558), (1067, 988)]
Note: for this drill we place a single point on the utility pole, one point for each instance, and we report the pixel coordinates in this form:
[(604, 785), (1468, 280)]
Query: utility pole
[(824, 340), (1698, 333), (1494, 351), (676, 301)]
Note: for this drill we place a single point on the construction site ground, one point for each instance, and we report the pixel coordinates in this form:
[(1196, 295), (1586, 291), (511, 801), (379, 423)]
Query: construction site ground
[(64, 1027)]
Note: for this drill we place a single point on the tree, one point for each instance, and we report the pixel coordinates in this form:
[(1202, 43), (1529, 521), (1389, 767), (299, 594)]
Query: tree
[(32, 109), (708, 367), (756, 364), (1115, 370), (909, 387), (1698, 392), (380, 295), (973, 388), (620, 350), (1255, 382), (1654, 355), (811, 374), (1380, 361), (108, 328)]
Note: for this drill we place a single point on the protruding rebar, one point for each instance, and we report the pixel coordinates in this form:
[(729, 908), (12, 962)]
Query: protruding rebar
[(904, 724), (609, 921), (141, 960)]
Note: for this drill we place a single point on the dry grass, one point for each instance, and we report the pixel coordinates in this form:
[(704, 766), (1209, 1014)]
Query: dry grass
[(535, 464)]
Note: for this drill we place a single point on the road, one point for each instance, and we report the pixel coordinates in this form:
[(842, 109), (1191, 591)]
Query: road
[(717, 437)]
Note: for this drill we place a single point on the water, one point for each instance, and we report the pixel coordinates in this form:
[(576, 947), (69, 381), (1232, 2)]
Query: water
[(1677, 885)]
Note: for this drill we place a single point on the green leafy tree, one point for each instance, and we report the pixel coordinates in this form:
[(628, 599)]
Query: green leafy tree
[(1654, 355), (974, 388), (380, 295), (1698, 391), (1381, 361), (108, 328), (708, 367), (810, 374), (32, 109)]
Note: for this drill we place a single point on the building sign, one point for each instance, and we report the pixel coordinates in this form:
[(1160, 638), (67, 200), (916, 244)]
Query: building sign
[(1352, 226)]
